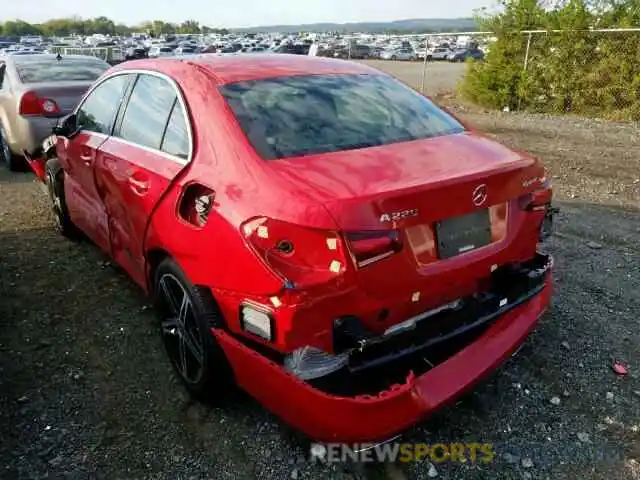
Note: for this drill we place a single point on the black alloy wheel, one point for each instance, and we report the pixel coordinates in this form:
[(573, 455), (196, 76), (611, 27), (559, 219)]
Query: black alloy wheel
[(187, 316), (179, 329)]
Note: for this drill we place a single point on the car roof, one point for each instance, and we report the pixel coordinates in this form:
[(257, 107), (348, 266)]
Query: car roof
[(231, 68), (46, 56)]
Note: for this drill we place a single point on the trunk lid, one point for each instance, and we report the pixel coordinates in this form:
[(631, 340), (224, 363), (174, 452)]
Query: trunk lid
[(66, 94), (451, 199)]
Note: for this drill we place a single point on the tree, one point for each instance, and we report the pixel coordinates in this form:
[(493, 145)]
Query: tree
[(496, 82), (101, 25), (190, 26), (18, 28), (158, 27), (568, 69)]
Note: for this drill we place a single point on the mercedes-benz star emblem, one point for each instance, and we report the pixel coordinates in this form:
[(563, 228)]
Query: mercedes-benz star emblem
[(479, 195)]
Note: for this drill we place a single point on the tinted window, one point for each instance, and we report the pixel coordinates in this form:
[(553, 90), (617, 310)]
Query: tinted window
[(48, 69), (97, 112), (148, 111), (176, 138), (292, 116)]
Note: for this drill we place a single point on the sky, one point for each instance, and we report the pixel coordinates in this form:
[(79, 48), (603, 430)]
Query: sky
[(239, 13)]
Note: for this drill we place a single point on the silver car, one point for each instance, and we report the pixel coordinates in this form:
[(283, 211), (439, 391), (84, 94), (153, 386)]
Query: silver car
[(35, 90), (399, 54)]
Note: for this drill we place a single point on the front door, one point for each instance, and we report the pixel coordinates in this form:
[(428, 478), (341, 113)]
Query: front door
[(79, 155), (149, 147)]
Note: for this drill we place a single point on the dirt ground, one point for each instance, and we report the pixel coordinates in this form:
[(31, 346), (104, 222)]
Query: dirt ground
[(86, 391), (438, 76)]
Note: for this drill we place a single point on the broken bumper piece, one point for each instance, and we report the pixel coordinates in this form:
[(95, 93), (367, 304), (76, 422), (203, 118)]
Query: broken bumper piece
[(431, 378), (38, 157), (36, 162)]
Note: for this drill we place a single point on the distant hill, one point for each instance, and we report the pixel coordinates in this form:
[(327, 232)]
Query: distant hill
[(414, 25)]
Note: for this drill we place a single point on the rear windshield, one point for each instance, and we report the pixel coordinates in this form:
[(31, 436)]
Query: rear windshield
[(39, 70), (305, 115)]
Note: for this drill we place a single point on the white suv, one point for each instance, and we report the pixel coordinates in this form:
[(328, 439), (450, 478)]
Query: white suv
[(438, 53), (161, 51)]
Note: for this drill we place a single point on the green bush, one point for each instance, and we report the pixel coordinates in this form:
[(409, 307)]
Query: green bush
[(575, 70)]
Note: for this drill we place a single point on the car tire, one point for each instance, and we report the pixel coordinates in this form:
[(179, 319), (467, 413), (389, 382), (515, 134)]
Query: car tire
[(6, 155), (54, 181), (429, 58), (185, 330)]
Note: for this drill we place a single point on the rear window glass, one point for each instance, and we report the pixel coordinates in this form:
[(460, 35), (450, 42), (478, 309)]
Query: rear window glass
[(305, 115), (51, 70)]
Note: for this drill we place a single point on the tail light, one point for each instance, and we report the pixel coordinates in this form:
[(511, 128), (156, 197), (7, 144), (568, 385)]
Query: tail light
[(373, 246), (32, 104), (539, 199), (300, 255)]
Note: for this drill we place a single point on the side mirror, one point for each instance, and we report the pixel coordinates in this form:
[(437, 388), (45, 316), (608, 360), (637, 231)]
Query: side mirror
[(66, 126)]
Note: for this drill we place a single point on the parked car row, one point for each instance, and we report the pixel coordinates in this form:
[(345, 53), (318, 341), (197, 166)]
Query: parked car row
[(355, 46), (359, 51), (347, 298)]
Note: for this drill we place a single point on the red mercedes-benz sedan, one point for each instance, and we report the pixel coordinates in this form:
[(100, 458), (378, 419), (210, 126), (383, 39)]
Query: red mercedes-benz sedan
[(312, 230)]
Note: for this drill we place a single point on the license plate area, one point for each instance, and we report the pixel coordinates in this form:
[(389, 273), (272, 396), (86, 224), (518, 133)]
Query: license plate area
[(463, 234)]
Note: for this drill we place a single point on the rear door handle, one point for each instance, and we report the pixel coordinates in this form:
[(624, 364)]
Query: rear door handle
[(139, 186), (86, 156)]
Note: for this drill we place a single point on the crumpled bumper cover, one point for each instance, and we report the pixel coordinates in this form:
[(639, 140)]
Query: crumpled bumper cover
[(370, 418)]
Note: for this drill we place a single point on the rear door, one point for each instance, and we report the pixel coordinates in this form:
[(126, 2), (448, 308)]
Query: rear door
[(149, 147), (79, 156)]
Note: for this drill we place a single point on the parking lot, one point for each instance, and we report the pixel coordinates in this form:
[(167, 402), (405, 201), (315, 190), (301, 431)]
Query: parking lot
[(86, 390)]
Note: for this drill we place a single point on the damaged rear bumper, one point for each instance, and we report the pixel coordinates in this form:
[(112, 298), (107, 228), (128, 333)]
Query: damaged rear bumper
[(37, 157), (372, 417)]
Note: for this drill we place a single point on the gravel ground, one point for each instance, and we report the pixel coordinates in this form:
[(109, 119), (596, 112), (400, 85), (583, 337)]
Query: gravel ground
[(439, 75), (86, 391)]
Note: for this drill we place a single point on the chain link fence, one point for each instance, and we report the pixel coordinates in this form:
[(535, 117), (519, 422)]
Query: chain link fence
[(442, 46), (110, 55), (594, 73), (586, 72)]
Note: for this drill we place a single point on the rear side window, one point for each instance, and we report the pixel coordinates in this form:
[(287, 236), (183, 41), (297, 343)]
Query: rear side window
[(147, 112), (305, 115), (44, 70), (97, 112), (176, 138)]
